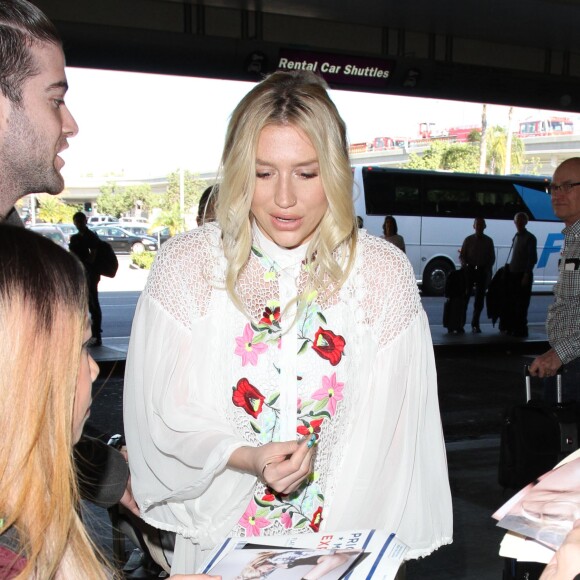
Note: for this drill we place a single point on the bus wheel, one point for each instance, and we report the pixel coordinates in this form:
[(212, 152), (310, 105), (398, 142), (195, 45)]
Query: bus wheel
[(434, 277)]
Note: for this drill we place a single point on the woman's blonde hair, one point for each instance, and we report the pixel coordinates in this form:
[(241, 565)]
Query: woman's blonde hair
[(299, 100), (43, 316)]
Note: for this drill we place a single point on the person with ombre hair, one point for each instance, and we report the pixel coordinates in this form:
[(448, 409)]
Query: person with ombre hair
[(45, 395), (280, 376), (45, 398)]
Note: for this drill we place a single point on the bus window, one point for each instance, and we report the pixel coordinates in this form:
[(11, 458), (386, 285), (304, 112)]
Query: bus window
[(392, 193)]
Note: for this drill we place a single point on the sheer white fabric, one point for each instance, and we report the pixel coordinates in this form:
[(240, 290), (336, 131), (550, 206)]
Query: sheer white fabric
[(380, 462)]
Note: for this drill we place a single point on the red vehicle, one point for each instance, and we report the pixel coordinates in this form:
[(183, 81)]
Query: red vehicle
[(547, 126)]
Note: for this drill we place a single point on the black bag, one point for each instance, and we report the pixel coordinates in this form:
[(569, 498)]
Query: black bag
[(106, 263), (455, 284), (496, 297), (454, 314), (535, 437)]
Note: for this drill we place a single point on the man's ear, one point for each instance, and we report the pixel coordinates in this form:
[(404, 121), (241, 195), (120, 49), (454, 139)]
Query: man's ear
[(5, 108)]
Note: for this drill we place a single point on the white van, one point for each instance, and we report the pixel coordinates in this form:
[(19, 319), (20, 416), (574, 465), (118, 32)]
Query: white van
[(134, 221), (96, 220)]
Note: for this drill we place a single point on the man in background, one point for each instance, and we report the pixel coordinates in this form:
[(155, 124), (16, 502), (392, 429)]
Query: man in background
[(563, 322), (520, 277), (477, 256)]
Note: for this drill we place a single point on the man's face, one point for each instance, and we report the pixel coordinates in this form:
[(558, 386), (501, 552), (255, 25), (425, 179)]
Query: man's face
[(479, 226), (567, 205), (35, 131)]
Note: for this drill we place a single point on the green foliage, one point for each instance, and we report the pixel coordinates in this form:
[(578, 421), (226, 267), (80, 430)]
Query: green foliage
[(115, 200), (55, 211), (449, 156), (193, 187), (464, 157), (144, 260), (497, 148), (170, 218)]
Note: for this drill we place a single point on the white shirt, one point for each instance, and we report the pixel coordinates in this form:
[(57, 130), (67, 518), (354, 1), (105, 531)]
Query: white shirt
[(380, 462)]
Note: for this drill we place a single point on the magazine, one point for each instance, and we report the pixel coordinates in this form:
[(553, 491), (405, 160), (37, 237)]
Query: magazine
[(350, 555), (544, 511)]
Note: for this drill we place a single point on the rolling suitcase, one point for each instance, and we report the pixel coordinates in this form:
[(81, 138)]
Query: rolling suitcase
[(454, 307), (535, 436)]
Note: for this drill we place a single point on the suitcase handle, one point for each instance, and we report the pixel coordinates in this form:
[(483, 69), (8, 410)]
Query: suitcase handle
[(529, 384)]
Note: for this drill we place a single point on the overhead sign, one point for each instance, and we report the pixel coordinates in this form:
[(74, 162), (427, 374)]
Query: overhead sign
[(339, 69)]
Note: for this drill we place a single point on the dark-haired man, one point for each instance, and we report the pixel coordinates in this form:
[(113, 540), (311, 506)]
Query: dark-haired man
[(35, 126)]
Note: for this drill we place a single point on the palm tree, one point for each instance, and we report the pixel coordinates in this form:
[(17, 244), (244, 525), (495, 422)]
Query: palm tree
[(170, 218), (497, 139)]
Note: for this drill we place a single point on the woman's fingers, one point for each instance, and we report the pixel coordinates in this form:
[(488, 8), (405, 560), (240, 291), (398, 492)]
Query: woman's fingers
[(287, 475)]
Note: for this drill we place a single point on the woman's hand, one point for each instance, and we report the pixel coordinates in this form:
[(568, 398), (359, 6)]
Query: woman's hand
[(565, 565), (281, 466)]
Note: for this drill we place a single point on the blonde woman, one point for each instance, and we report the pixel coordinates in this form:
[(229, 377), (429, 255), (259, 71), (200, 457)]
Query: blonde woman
[(280, 376), (45, 397)]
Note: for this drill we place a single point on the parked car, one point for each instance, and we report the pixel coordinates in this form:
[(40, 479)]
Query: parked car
[(161, 234), (68, 230), (125, 242), (95, 220), (52, 232)]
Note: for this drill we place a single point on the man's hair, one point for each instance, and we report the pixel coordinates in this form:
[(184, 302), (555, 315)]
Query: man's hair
[(21, 26), (299, 100), (43, 317)]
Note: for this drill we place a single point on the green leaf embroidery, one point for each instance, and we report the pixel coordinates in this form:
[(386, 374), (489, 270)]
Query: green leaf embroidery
[(256, 428), (303, 347), (322, 317), (262, 502), (320, 405), (273, 398)]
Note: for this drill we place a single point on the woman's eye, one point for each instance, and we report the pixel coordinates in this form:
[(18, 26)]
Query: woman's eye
[(262, 174), (305, 175)]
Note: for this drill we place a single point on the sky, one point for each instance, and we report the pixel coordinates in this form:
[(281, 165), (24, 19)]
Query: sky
[(142, 125)]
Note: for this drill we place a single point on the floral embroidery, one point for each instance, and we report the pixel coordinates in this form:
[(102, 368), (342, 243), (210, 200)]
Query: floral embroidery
[(330, 393), (301, 510), (286, 519), (316, 520), (248, 398), (253, 520), (271, 317), (328, 345), (309, 428), (249, 347)]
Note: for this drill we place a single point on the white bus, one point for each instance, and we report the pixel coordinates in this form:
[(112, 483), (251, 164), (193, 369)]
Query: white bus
[(435, 212)]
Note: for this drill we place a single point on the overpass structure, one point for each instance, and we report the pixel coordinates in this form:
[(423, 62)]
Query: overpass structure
[(543, 153)]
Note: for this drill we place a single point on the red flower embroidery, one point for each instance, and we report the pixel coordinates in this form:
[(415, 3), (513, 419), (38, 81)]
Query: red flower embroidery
[(309, 428), (268, 497), (248, 398), (316, 519), (270, 317), (328, 345)]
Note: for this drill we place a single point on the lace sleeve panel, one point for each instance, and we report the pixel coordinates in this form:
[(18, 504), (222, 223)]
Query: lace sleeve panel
[(185, 272), (391, 296)]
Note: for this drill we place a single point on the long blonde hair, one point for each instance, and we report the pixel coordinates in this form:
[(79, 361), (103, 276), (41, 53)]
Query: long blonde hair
[(300, 100), (43, 314)]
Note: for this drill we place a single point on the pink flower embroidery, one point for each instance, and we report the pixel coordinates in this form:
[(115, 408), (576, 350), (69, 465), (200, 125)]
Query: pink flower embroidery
[(286, 519), (331, 389), (251, 523), (247, 349)]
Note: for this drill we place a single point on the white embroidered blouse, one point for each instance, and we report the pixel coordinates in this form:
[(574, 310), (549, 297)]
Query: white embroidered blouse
[(358, 371)]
